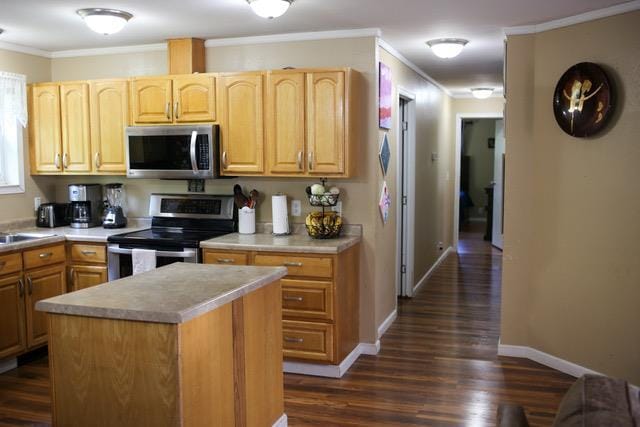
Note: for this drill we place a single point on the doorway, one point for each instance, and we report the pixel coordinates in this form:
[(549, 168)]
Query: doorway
[(479, 176)]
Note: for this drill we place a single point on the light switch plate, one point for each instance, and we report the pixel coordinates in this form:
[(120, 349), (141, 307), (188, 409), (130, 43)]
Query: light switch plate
[(37, 201), (296, 208)]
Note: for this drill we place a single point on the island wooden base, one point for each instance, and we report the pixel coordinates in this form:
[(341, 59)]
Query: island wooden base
[(223, 368)]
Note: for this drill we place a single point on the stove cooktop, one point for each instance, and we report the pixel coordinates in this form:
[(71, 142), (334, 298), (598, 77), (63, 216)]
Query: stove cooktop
[(165, 237)]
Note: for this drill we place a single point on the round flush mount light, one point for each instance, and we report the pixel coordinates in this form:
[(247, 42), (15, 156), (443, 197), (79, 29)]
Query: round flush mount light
[(104, 21), (447, 48), (481, 92), (269, 8)]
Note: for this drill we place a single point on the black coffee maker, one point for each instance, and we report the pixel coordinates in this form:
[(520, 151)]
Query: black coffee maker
[(86, 205), (113, 213)]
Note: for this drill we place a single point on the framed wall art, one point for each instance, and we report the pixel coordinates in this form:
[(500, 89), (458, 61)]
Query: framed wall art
[(384, 101)]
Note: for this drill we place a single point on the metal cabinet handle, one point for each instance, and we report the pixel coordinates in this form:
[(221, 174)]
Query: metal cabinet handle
[(288, 298), (45, 255), (65, 160), (294, 340), (175, 110), (21, 287), (98, 164), (30, 283), (71, 273), (57, 161), (300, 160), (224, 159), (89, 252), (292, 264), (226, 260), (310, 159), (167, 110)]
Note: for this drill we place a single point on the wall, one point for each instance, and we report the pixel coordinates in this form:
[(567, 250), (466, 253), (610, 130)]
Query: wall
[(571, 272), (433, 200), (13, 206), (481, 161)]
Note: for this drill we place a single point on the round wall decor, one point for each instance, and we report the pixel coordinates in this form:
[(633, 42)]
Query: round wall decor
[(583, 100)]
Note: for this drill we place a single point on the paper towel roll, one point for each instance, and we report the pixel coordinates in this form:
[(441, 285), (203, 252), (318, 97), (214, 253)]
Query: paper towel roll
[(280, 215)]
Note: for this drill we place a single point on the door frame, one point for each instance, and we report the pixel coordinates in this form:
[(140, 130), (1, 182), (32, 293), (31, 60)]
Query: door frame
[(456, 187), (410, 170)]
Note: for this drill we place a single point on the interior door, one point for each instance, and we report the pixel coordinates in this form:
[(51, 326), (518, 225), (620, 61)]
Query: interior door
[(406, 287), (498, 188)]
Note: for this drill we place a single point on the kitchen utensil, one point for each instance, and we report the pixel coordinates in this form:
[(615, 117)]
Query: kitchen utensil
[(239, 197), (254, 198)]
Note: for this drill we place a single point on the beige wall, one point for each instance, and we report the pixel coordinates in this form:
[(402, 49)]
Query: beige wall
[(571, 267), (433, 201), (20, 205), (475, 146)]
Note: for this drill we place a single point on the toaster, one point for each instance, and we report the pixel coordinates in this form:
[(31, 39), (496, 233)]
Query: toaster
[(53, 215)]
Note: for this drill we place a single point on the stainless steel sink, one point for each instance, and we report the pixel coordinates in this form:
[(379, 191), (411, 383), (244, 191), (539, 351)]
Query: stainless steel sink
[(6, 238)]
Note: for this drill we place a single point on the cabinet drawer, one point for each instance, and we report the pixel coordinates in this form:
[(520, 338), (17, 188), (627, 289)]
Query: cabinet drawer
[(307, 299), (307, 340), (225, 258), (43, 256), (89, 253), (299, 265), (10, 263)]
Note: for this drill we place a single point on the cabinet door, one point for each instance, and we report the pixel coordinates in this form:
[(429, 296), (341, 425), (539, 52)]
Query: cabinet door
[(41, 284), (74, 117), (46, 136), (285, 108), (12, 322), (109, 119), (325, 123), (151, 101), (194, 98), (85, 276), (241, 123)]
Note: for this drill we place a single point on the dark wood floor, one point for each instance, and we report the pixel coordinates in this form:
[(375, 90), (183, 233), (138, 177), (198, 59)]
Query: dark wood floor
[(437, 365)]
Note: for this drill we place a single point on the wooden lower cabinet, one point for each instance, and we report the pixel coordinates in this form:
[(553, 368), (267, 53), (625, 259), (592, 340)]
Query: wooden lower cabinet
[(320, 300), (41, 284), (12, 316), (85, 276), (88, 265)]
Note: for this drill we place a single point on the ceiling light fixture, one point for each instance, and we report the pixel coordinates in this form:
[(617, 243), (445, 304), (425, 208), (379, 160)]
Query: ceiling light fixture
[(447, 48), (269, 8), (104, 21), (481, 92)]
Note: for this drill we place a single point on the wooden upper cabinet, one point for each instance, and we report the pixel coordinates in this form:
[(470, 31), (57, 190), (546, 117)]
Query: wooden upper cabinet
[(45, 134), (41, 284), (241, 123), (285, 122), (12, 326), (151, 100), (109, 119), (326, 102), (194, 98), (74, 118)]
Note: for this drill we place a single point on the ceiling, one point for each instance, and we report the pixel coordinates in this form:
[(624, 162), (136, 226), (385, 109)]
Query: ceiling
[(405, 25)]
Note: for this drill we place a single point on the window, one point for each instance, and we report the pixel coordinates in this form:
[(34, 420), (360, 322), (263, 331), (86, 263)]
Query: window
[(13, 119)]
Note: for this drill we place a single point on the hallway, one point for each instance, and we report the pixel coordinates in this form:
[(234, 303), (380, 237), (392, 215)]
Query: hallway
[(437, 365)]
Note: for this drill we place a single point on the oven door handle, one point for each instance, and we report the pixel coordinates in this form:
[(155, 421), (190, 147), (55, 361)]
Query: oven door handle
[(168, 254), (192, 151)]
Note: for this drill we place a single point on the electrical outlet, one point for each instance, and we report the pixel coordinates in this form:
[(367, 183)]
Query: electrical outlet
[(440, 246), (37, 201), (434, 156), (296, 208), (337, 208)]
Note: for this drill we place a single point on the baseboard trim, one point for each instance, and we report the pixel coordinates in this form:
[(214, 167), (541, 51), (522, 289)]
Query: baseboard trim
[(435, 265), (546, 359), (386, 323), (282, 421), (7, 365), (331, 371)]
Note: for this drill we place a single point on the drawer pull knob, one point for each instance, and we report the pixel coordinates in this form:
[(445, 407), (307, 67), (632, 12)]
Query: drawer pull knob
[(294, 340), (288, 298), (89, 252), (45, 255), (292, 264), (226, 260)]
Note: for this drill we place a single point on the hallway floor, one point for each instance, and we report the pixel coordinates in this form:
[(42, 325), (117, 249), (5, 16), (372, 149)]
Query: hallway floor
[(437, 365)]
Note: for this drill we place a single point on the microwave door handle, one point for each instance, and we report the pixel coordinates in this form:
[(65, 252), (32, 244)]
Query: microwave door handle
[(194, 160)]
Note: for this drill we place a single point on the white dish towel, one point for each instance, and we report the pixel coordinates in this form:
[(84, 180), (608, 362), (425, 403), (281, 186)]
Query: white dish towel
[(143, 260)]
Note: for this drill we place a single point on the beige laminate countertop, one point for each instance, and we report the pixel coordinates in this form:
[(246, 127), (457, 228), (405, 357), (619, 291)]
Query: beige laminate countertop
[(175, 293), (299, 243)]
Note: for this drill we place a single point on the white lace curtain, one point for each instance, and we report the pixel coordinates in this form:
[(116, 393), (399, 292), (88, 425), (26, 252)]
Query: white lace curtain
[(13, 97)]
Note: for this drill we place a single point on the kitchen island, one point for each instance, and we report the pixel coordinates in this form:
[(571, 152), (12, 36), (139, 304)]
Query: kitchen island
[(185, 344)]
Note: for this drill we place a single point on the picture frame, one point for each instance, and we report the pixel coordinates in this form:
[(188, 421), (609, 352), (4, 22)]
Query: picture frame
[(384, 96)]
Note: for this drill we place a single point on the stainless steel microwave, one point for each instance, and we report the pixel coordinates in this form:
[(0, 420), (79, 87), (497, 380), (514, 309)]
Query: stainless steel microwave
[(172, 152)]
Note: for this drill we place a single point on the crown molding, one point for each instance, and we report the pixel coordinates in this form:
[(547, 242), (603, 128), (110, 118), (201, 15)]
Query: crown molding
[(386, 46), (24, 49), (156, 47), (572, 20), (294, 37)]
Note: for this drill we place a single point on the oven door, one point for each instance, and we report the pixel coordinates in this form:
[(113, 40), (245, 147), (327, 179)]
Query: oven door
[(121, 265), (172, 152)]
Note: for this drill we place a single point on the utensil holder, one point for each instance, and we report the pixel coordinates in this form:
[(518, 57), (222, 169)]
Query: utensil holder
[(246, 221)]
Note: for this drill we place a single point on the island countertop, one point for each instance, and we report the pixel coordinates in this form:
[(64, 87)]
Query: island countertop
[(175, 293), (298, 243)]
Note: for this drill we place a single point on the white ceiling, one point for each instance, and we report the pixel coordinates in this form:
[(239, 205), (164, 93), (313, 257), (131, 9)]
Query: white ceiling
[(52, 25)]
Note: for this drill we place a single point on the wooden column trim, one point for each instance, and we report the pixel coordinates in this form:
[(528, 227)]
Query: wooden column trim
[(239, 375)]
